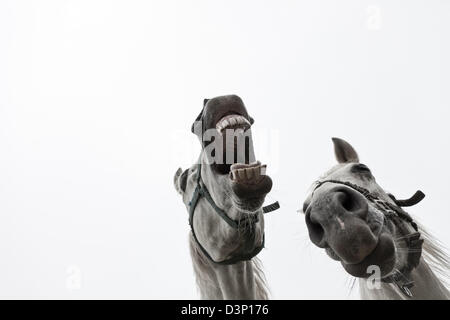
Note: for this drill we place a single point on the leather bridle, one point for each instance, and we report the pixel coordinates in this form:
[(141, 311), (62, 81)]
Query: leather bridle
[(398, 216)]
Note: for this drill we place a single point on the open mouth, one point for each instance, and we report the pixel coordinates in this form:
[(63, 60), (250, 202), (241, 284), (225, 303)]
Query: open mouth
[(247, 176), (239, 151), (243, 169)]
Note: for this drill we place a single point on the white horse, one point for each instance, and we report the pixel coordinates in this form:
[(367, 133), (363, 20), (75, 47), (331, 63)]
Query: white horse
[(365, 228), (224, 200)]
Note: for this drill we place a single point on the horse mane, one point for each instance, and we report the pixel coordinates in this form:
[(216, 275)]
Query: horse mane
[(436, 256), (206, 278), (262, 289)]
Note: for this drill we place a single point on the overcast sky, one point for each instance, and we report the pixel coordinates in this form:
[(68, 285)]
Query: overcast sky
[(96, 103)]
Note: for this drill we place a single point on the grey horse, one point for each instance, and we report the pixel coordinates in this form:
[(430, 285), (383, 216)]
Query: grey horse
[(224, 194), (366, 229)]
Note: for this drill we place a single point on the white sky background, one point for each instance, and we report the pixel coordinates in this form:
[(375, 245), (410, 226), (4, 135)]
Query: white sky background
[(96, 103)]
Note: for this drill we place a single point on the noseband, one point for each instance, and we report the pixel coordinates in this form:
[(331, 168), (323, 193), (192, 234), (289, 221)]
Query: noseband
[(398, 216), (251, 220)]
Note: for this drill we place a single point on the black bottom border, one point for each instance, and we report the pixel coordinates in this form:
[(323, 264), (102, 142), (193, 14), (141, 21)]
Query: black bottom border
[(194, 309)]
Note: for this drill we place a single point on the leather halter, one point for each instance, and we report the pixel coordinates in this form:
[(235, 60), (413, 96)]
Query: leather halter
[(201, 190), (398, 216)]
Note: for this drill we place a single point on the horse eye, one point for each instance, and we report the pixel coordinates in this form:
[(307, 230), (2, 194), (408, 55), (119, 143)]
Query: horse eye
[(361, 168)]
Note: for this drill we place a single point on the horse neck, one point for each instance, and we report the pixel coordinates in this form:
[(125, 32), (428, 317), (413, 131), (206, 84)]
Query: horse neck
[(239, 281), (426, 286)]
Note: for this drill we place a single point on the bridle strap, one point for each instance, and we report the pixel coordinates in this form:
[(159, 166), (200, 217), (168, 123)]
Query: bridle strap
[(271, 207), (201, 190), (415, 199), (383, 205), (234, 260)]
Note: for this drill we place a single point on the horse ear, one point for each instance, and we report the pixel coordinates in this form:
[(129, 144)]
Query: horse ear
[(195, 128), (344, 152)]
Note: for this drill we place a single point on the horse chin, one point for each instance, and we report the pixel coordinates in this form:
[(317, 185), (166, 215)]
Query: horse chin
[(383, 256), (250, 206)]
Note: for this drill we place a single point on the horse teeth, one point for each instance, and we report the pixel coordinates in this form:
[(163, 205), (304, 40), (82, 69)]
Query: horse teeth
[(243, 165), (232, 120), (263, 170), (242, 120), (241, 173), (249, 173), (234, 166), (256, 172)]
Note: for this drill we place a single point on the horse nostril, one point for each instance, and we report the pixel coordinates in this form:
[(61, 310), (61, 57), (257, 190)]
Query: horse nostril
[(315, 229), (346, 201), (351, 202)]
